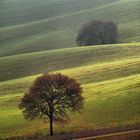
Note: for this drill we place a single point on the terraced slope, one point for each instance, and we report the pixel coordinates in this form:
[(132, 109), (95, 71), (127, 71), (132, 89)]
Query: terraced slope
[(110, 76), (37, 25)]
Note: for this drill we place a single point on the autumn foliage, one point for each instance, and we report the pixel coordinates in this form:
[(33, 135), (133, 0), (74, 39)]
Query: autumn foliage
[(50, 97)]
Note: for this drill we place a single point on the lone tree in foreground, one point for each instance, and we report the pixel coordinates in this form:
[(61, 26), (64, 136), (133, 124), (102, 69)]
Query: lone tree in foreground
[(50, 97), (97, 32)]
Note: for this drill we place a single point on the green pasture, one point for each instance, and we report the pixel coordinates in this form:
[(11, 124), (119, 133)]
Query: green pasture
[(109, 74), (37, 25), (12, 67), (38, 36)]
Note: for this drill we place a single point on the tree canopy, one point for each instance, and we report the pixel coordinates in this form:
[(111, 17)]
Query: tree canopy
[(97, 32), (50, 97)]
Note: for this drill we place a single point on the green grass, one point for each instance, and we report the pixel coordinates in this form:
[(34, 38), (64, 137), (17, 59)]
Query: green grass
[(18, 66), (38, 25), (38, 36), (107, 104), (109, 74)]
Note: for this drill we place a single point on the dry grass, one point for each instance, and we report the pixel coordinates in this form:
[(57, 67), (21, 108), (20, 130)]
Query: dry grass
[(128, 132)]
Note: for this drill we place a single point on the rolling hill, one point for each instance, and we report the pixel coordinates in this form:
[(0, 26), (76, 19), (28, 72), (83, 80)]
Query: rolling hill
[(38, 36), (37, 25), (109, 74), (45, 61)]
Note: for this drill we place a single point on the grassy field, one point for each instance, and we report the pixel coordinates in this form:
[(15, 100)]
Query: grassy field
[(37, 25), (38, 36), (109, 74), (18, 66)]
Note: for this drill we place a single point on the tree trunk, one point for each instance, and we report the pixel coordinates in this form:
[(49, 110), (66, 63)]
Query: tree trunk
[(51, 123)]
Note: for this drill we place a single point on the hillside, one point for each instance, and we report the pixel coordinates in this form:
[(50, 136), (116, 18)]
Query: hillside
[(38, 36), (109, 74), (17, 66), (37, 25)]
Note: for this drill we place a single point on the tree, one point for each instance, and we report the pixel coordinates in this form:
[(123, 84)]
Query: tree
[(50, 97), (97, 32)]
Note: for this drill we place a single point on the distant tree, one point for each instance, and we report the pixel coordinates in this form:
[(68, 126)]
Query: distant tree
[(50, 97), (97, 32)]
